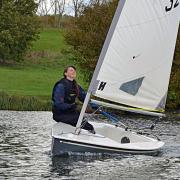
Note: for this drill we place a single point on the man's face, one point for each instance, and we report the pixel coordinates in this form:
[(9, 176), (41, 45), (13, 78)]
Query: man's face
[(71, 73)]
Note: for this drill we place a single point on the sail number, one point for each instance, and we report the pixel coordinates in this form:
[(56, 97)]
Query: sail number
[(102, 86), (174, 4)]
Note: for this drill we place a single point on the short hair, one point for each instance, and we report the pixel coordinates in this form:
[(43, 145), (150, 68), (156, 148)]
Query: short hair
[(66, 69)]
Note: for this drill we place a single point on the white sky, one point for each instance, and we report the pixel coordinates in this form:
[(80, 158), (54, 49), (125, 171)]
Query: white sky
[(48, 4), (68, 6)]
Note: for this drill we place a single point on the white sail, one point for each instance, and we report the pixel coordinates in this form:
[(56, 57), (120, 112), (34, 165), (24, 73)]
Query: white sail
[(135, 62)]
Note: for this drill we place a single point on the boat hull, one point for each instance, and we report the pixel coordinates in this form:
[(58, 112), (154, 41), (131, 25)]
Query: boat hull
[(61, 146), (108, 139)]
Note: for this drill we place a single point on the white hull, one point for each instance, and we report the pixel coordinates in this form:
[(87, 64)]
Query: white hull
[(108, 139)]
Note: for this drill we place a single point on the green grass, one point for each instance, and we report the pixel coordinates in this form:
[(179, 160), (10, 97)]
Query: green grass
[(27, 81), (30, 81), (36, 75), (50, 40)]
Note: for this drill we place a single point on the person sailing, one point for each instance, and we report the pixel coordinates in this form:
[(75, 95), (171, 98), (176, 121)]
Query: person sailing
[(64, 96)]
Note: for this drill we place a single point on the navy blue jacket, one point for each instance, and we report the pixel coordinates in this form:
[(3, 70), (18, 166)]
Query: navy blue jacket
[(65, 93)]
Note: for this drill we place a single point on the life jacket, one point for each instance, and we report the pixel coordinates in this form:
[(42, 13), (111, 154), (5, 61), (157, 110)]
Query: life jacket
[(71, 90)]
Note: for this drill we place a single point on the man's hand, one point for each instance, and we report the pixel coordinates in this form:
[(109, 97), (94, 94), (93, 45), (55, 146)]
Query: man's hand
[(93, 105)]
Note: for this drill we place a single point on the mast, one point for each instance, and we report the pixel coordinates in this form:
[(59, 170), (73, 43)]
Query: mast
[(94, 82)]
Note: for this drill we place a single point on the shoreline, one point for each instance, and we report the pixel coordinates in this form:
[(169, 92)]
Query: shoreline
[(36, 103)]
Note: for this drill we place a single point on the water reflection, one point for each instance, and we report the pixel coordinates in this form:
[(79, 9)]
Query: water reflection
[(124, 167), (25, 139)]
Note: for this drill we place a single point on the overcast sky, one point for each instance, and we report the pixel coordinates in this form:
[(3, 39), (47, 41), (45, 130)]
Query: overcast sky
[(68, 7)]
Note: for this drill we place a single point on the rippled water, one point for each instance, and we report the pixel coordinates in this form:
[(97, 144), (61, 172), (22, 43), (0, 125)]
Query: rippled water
[(25, 140)]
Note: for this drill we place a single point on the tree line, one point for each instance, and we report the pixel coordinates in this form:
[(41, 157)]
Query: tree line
[(56, 13), (20, 22)]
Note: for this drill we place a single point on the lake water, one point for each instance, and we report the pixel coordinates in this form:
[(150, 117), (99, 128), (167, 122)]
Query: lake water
[(25, 141)]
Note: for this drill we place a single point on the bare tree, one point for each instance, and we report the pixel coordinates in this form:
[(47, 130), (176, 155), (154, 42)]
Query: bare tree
[(77, 5), (58, 10), (44, 7), (98, 2), (61, 8)]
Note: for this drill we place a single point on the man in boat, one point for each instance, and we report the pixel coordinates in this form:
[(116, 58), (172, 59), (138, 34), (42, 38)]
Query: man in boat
[(64, 96)]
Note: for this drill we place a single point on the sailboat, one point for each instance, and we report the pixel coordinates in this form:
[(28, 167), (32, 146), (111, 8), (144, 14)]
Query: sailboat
[(133, 70)]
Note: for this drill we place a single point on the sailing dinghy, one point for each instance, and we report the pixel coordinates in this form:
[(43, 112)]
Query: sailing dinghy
[(134, 70)]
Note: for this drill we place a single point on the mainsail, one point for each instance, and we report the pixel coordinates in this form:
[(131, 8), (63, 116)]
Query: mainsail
[(135, 62)]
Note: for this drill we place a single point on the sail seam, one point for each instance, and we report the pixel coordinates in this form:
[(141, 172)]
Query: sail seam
[(145, 22)]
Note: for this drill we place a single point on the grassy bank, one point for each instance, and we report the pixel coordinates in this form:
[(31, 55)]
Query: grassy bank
[(27, 85), (26, 103)]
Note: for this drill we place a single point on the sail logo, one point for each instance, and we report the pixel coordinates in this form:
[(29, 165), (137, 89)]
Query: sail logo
[(173, 4), (102, 86)]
